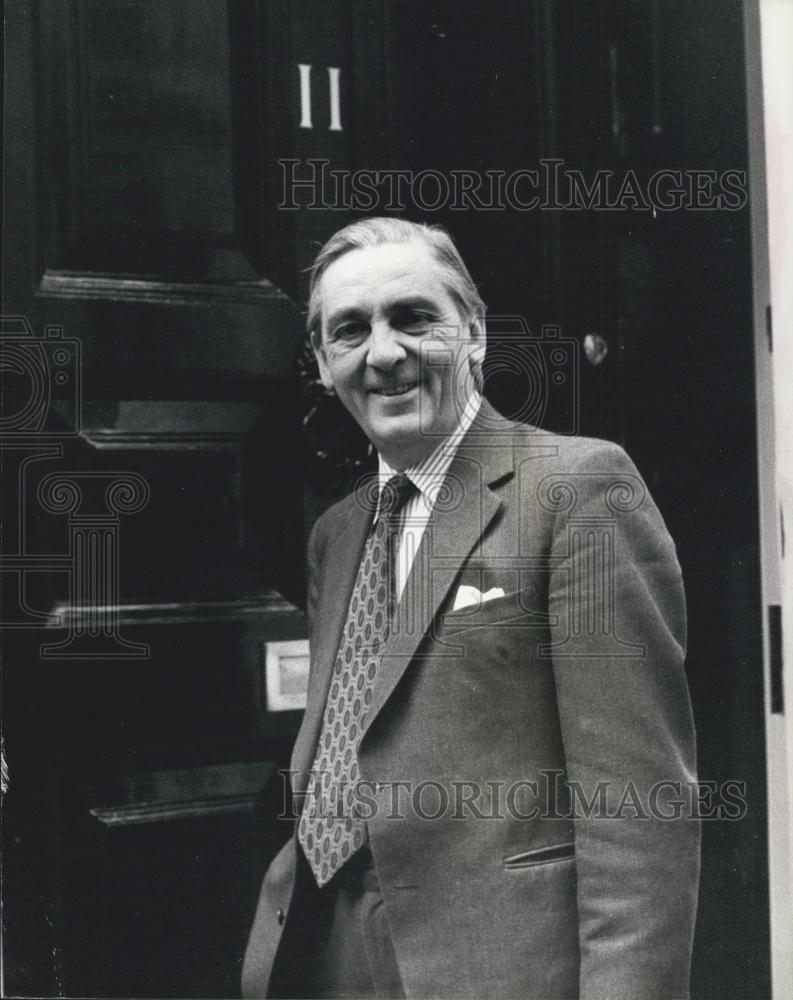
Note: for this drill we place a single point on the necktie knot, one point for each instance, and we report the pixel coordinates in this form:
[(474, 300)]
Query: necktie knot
[(396, 493)]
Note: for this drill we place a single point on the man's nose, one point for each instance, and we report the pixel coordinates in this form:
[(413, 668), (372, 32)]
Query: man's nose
[(385, 350)]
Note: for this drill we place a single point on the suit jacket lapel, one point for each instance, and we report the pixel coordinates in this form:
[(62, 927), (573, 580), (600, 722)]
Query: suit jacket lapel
[(340, 569), (458, 521)]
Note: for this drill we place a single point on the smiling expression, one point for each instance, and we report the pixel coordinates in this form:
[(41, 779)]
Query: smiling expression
[(395, 347)]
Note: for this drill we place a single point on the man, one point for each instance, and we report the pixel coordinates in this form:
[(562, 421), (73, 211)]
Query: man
[(498, 727)]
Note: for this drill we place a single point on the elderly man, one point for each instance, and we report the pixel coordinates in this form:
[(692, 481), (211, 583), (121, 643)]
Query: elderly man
[(498, 732)]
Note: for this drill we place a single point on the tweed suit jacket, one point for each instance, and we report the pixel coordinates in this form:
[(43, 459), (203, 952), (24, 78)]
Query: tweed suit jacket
[(521, 754)]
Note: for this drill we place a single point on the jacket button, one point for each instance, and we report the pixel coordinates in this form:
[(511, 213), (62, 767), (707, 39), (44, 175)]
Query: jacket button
[(279, 915)]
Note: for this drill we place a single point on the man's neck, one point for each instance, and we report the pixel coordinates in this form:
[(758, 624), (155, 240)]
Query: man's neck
[(406, 462)]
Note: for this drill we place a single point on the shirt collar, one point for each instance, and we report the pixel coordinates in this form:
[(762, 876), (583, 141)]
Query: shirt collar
[(428, 474)]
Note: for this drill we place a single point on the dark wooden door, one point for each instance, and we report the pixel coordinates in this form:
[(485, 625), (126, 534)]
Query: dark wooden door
[(152, 497)]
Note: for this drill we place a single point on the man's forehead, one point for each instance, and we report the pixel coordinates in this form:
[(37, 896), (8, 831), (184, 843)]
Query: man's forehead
[(383, 274)]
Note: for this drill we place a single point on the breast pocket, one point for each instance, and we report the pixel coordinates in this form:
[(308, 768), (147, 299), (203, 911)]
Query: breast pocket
[(520, 608)]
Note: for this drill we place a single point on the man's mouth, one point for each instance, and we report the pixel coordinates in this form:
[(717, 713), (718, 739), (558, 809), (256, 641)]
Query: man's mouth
[(395, 390)]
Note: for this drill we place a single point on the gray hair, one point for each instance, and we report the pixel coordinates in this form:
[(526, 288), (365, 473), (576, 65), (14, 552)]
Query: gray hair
[(376, 231)]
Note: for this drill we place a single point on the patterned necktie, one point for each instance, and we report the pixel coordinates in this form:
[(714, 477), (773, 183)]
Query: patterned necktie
[(330, 829)]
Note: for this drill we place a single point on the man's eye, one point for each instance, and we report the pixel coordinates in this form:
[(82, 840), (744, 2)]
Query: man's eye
[(415, 322), (357, 330)]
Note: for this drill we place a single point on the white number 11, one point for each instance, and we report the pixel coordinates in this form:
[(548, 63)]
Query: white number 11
[(334, 72)]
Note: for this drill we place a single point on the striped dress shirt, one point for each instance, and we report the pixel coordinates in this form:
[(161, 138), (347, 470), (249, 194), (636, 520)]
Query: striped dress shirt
[(427, 477)]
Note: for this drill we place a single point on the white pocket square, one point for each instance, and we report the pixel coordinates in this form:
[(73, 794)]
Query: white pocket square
[(466, 596)]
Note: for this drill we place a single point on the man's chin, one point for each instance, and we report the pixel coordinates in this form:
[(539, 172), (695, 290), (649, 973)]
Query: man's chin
[(401, 440)]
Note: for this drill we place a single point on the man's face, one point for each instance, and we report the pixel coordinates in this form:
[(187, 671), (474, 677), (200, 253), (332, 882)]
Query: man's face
[(395, 348)]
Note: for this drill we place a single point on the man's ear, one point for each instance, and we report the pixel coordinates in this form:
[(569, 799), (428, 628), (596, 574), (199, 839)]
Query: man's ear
[(478, 335), (322, 361)]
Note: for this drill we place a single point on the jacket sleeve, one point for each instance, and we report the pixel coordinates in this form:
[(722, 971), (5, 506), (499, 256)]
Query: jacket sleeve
[(314, 552), (618, 646)]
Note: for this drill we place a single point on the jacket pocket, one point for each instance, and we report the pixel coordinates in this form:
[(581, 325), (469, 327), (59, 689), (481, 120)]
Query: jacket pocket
[(519, 608), (541, 856)]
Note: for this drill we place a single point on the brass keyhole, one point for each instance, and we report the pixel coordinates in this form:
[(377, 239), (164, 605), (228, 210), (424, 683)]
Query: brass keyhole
[(595, 348)]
